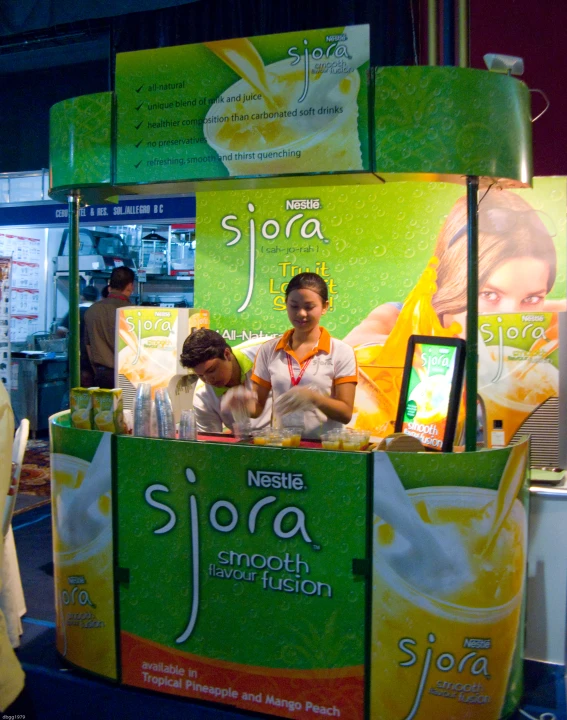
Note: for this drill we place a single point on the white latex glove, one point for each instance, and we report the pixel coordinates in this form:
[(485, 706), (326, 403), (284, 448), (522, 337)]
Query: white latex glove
[(240, 401), (294, 400)]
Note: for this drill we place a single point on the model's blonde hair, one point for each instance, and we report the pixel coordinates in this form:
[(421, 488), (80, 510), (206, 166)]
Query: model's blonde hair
[(526, 237)]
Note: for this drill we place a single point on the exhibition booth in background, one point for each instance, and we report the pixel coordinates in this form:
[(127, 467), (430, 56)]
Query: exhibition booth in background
[(300, 581)]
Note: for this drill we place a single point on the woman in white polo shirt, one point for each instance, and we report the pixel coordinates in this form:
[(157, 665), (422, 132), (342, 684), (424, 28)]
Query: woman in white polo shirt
[(307, 370)]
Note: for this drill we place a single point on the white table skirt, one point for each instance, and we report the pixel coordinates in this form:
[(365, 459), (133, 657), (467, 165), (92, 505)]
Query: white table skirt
[(12, 601)]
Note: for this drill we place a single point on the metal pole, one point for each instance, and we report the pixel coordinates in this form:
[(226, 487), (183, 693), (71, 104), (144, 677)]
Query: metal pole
[(463, 33), (471, 366), (448, 32), (432, 39), (74, 292)]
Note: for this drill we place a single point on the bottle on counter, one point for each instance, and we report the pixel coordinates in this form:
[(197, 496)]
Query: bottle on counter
[(497, 436)]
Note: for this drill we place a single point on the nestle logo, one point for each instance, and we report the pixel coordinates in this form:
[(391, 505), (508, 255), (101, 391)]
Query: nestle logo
[(77, 580), (275, 480), (478, 643), (310, 204)]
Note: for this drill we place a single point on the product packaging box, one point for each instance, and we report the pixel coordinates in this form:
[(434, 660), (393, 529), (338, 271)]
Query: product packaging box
[(81, 405), (107, 410)]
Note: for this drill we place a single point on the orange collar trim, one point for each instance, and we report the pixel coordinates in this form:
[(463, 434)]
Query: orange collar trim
[(324, 345)]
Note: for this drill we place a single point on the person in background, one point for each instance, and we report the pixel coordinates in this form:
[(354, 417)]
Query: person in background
[(220, 368), (89, 295), (309, 372), (104, 292), (14, 698), (100, 326)]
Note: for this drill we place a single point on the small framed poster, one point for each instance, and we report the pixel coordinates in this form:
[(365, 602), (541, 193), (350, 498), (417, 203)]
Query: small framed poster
[(431, 390)]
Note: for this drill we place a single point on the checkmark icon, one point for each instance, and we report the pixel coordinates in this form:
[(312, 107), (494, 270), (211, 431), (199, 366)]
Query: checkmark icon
[(140, 105), (137, 165), (138, 89), (139, 125), (139, 143)]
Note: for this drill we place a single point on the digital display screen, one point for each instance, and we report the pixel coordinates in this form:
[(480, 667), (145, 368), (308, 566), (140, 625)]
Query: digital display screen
[(429, 393)]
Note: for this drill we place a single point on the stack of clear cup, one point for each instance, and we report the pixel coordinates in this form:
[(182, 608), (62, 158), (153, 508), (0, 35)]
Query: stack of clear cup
[(164, 414), (187, 425), (143, 410)]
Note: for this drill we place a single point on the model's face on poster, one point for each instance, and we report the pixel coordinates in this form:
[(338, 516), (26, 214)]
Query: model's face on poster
[(517, 285)]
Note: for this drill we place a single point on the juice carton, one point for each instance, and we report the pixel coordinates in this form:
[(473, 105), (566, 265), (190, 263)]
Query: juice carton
[(107, 411), (81, 408)]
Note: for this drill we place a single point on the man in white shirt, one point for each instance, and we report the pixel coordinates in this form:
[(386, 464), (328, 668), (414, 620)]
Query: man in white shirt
[(220, 368)]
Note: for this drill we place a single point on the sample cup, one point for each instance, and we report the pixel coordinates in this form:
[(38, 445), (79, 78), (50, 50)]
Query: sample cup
[(260, 437), (291, 436), (331, 440)]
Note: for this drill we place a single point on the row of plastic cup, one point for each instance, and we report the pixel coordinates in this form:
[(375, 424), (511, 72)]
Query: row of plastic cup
[(345, 439), (155, 419), (287, 437)]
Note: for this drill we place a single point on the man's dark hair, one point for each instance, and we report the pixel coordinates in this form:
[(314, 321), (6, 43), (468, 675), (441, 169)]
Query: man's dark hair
[(90, 293), (202, 345), (121, 277)]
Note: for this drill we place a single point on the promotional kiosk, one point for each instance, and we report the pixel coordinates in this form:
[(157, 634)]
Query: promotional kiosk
[(297, 582)]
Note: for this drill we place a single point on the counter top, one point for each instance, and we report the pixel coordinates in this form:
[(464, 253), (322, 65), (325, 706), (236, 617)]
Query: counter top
[(38, 356), (559, 490)]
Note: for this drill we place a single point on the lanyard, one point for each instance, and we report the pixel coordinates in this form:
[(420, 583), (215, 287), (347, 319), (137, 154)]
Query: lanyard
[(296, 380)]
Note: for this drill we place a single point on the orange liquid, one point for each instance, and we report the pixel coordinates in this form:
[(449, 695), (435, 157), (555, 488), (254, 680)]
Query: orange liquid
[(379, 393), (242, 57)]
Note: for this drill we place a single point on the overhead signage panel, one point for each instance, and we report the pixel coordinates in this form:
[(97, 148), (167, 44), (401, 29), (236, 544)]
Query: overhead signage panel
[(268, 105)]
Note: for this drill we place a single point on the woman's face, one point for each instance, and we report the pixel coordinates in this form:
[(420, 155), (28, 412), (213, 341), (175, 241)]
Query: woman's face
[(517, 285), (304, 309)]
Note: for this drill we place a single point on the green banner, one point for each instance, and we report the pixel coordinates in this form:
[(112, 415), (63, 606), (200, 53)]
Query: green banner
[(378, 248), (268, 105), (448, 578), (240, 586), (83, 546), (80, 141), (433, 120)]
